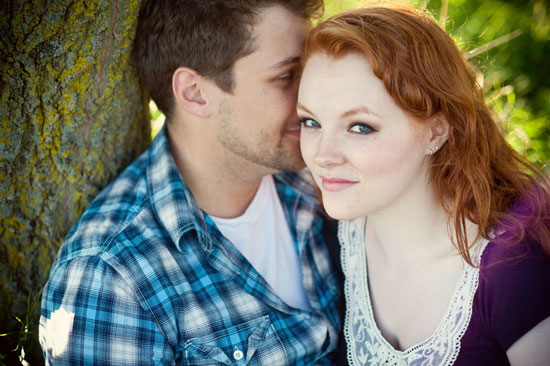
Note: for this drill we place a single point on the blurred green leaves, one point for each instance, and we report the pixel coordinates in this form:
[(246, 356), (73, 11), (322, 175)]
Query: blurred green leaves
[(516, 73)]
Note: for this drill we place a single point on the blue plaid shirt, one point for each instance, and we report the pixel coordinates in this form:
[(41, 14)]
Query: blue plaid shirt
[(145, 277)]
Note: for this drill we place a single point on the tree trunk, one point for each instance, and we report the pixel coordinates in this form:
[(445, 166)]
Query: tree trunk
[(73, 115)]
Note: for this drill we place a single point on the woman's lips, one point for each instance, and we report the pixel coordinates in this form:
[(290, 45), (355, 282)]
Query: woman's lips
[(336, 184)]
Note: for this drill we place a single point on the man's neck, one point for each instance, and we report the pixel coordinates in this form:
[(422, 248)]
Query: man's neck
[(222, 185)]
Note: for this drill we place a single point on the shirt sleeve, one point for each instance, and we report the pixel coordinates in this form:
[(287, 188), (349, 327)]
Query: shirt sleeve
[(515, 290), (90, 316)]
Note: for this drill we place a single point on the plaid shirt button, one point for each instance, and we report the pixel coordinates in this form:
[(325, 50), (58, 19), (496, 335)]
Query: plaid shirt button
[(237, 355)]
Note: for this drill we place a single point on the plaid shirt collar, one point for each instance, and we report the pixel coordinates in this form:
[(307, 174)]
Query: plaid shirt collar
[(171, 199)]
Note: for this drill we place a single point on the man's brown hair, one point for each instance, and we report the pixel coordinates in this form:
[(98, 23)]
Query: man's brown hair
[(207, 36)]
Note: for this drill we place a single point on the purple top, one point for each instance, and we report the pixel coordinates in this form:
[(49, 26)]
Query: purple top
[(513, 296)]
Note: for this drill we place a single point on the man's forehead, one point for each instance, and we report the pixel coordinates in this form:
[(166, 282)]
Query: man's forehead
[(278, 37)]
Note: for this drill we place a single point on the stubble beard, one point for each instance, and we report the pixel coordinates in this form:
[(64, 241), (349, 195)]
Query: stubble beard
[(281, 157)]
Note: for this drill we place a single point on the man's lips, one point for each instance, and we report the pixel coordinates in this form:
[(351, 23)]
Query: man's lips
[(336, 184), (294, 132)]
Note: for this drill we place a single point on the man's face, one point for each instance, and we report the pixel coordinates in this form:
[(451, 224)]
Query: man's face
[(257, 122)]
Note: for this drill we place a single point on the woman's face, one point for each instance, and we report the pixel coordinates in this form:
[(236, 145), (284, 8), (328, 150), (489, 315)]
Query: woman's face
[(365, 153)]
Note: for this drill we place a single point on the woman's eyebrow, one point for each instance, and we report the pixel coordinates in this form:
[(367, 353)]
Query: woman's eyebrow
[(359, 109)]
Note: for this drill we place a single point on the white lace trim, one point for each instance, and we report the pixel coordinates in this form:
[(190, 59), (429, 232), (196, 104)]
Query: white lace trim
[(365, 343)]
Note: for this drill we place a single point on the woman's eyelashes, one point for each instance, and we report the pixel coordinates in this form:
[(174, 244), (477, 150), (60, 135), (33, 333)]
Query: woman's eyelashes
[(355, 128), (309, 123), (361, 128)]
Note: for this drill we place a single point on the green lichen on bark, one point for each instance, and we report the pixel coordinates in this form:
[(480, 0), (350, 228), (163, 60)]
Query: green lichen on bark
[(72, 115)]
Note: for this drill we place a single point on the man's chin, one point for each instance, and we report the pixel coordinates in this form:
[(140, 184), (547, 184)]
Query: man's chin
[(291, 163), (299, 165)]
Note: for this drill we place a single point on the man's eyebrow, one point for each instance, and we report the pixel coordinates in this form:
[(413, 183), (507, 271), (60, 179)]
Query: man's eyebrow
[(288, 61)]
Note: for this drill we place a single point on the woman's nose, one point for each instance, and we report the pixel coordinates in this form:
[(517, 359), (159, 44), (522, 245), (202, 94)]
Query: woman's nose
[(329, 152)]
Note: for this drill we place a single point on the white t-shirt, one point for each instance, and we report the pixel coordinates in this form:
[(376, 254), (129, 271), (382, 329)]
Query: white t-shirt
[(262, 235)]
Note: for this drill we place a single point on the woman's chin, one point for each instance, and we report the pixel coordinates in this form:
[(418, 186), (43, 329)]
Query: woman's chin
[(339, 213)]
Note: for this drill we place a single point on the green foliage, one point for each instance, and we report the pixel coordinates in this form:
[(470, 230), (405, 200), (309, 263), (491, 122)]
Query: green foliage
[(516, 73), (22, 339), (157, 119)]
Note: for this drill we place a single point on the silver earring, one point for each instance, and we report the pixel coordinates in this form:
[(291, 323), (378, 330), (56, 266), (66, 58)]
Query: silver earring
[(430, 151), (436, 147)]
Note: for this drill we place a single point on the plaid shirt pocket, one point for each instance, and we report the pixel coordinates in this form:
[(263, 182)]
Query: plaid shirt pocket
[(254, 342)]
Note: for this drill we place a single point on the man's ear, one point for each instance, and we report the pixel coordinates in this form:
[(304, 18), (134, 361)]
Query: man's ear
[(439, 128), (186, 86)]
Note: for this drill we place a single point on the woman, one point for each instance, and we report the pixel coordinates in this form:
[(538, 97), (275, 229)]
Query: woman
[(446, 230)]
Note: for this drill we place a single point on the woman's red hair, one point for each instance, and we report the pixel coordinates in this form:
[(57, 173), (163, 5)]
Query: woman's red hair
[(476, 175)]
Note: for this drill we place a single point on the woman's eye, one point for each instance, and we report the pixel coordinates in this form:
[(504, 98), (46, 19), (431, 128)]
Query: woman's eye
[(309, 123), (361, 128)]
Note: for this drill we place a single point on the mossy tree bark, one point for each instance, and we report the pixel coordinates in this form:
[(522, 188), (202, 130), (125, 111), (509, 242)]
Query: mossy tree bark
[(72, 116)]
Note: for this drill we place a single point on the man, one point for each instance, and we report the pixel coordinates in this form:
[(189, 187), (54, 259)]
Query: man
[(197, 253)]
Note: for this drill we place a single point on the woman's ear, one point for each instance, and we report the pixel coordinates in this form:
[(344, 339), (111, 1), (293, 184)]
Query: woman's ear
[(188, 93), (439, 129)]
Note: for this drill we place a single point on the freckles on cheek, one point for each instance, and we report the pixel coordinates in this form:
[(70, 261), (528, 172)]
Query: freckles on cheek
[(307, 147), (388, 159)]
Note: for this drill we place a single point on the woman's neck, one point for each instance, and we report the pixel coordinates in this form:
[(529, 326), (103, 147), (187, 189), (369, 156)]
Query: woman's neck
[(413, 229)]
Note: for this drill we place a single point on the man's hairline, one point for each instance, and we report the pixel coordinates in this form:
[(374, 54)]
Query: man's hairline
[(250, 48), (252, 45)]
